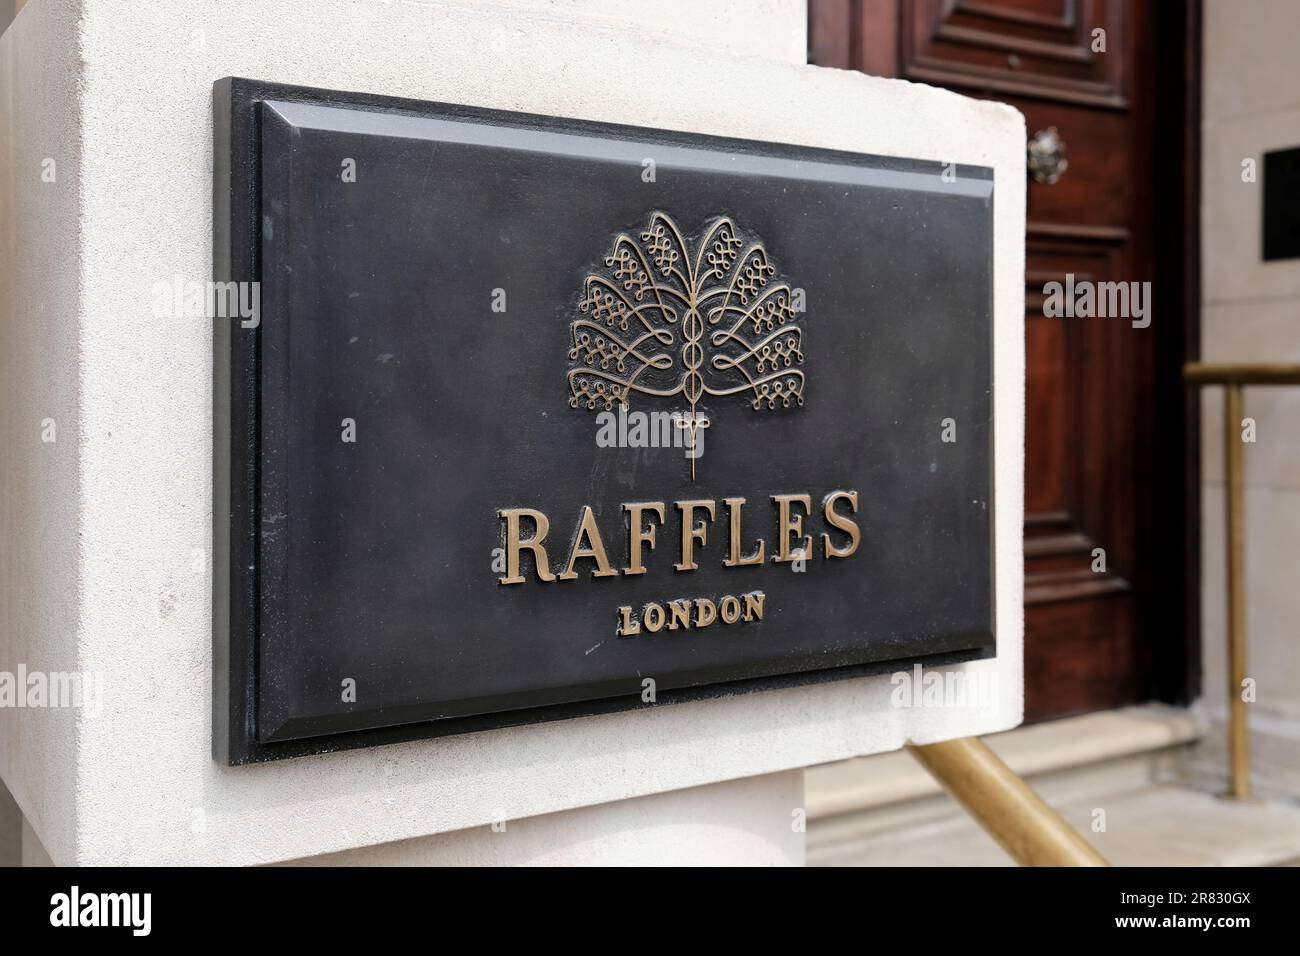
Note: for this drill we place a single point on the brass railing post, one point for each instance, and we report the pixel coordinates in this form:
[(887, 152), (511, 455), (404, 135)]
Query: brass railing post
[(1003, 804), (1234, 526), (1234, 378)]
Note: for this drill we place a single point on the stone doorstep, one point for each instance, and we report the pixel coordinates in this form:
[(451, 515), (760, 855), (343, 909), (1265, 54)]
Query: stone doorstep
[(1154, 825), (868, 783)]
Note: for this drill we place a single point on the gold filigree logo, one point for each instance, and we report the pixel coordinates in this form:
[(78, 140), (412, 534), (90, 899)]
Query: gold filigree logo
[(667, 318)]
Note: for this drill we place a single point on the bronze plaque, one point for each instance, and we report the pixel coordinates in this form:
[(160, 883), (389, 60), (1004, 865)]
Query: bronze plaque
[(542, 418)]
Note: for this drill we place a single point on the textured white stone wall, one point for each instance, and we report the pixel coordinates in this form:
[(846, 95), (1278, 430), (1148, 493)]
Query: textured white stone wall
[(756, 821), (1249, 314), (100, 543)]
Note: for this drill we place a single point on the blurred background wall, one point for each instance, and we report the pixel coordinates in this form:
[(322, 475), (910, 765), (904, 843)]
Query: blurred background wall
[(1251, 313)]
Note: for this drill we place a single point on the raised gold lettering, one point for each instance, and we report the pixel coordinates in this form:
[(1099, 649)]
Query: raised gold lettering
[(653, 615), (843, 522), (514, 545), (734, 560), (706, 612), (680, 612), (640, 535), (595, 550), (788, 524), (691, 532)]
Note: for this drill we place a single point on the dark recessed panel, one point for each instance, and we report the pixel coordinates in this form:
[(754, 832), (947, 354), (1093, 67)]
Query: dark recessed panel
[(474, 324), (1282, 204)]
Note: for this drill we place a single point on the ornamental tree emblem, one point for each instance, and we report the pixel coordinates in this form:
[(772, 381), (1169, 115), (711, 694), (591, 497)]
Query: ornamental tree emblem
[(670, 319)]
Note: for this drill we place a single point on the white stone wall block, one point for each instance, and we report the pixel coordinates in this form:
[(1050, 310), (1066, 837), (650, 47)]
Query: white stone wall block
[(106, 535)]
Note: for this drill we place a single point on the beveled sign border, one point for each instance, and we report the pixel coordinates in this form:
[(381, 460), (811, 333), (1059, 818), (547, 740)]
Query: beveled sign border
[(239, 570)]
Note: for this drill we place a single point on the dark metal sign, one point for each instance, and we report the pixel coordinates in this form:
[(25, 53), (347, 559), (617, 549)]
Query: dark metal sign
[(540, 418)]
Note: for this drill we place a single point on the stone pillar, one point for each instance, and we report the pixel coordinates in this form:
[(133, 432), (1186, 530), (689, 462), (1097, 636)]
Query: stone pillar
[(756, 821), (106, 143)]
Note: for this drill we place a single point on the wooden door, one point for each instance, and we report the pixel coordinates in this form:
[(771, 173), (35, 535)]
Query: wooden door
[(1109, 431)]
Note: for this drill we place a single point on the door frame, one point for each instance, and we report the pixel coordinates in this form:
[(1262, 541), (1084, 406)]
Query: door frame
[(1175, 617)]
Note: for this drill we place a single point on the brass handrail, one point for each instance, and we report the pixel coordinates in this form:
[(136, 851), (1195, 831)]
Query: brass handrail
[(1004, 805), (1234, 378), (1208, 373)]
